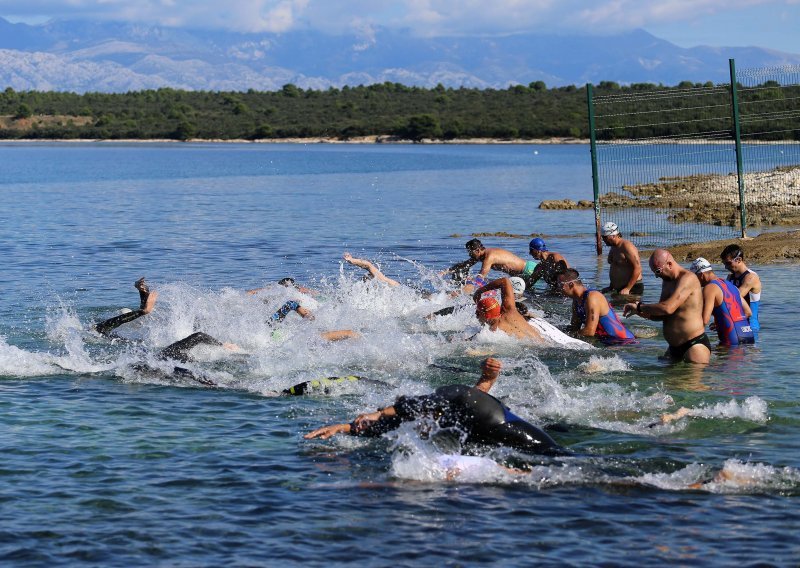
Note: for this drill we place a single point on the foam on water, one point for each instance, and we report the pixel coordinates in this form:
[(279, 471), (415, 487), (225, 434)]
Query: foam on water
[(734, 477)]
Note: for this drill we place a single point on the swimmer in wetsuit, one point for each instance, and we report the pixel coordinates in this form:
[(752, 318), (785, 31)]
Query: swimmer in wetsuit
[(723, 299), (147, 300), (469, 410)]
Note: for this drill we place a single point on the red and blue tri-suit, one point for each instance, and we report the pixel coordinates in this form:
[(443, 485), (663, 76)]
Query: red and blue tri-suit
[(733, 327), (609, 330)]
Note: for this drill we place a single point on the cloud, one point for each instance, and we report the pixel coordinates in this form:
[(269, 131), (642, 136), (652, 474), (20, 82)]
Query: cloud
[(425, 17)]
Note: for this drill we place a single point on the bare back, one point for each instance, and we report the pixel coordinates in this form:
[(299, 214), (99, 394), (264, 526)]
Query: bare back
[(512, 323), (502, 260)]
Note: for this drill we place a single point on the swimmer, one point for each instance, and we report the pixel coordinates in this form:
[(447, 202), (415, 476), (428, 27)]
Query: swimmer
[(725, 302), (293, 306), (592, 316), (680, 309), (746, 280), (625, 266), (498, 259), (503, 315), (550, 264), (147, 301), (470, 411), (373, 270)]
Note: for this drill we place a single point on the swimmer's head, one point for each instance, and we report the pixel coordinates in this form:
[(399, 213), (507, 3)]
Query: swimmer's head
[(731, 256), (700, 265), (703, 269), (538, 245), (569, 282), (487, 309), (610, 229), (474, 248), (518, 284), (288, 282)]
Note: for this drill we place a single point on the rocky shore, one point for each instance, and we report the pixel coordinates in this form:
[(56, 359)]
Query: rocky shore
[(771, 198)]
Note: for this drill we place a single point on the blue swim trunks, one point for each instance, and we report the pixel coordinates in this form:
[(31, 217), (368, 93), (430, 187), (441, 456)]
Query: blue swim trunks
[(530, 265)]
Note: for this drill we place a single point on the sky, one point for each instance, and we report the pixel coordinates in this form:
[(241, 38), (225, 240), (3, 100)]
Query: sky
[(771, 24)]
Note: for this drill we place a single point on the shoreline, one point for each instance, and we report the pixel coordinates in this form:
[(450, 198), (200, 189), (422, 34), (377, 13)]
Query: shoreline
[(375, 139), (388, 139)]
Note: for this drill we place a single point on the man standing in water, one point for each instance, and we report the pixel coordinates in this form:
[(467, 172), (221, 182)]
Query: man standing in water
[(746, 280), (503, 315), (625, 270), (724, 300), (680, 308), (499, 259)]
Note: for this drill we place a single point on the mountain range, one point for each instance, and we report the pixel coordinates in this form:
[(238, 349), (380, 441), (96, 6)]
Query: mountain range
[(84, 56)]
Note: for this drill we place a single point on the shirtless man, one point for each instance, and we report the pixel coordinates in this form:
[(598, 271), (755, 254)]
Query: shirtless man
[(746, 280), (625, 271), (499, 259), (503, 315), (680, 308)]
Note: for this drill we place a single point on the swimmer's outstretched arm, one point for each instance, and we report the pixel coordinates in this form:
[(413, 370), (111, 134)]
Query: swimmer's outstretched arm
[(147, 301), (369, 267), (491, 372), (361, 423)]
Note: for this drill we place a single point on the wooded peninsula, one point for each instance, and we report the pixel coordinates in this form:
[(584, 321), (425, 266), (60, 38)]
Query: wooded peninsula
[(388, 109)]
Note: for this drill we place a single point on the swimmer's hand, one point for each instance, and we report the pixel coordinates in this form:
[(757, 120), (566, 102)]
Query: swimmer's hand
[(232, 347), (624, 291), (491, 371), (677, 415), (327, 431), (629, 309)]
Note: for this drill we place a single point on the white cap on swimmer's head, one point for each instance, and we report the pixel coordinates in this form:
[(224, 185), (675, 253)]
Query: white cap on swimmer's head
[(610, 228), (700, 265), (518, 284)]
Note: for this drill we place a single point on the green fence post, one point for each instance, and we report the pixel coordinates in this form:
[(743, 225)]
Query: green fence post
[(595, 180), (738, 139)]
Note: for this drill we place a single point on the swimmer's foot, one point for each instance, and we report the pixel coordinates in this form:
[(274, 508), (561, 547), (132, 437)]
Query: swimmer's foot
[(144, 292)]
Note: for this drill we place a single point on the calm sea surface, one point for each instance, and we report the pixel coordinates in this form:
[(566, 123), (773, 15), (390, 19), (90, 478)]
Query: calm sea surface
[(106, 465)]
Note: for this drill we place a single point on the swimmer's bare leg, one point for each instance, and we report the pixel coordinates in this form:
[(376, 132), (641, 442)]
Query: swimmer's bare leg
[(340, 335), (371, 268)]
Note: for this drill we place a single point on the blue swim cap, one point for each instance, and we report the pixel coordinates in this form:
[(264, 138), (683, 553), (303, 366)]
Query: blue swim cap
[(538, 244)]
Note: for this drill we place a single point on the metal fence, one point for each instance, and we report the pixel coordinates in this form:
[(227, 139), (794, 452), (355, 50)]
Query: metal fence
[(697, 162)]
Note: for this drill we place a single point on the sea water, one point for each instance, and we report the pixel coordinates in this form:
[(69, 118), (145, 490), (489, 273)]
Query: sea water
[(106, 465)]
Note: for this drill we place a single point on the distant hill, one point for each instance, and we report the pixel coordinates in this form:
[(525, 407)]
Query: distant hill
[(110, 57)]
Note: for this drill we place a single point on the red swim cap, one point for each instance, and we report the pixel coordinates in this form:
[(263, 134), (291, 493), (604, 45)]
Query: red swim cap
[(489, 307)]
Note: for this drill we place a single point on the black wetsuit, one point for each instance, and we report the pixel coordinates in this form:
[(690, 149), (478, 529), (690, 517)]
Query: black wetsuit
[(483, 418), (547, 270), (180, 349)]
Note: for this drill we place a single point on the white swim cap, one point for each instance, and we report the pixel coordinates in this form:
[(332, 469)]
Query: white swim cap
[(518, 284), (610, 228), (700, 265)]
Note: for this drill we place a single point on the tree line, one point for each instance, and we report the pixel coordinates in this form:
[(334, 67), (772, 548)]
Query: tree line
[(385, 109)]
